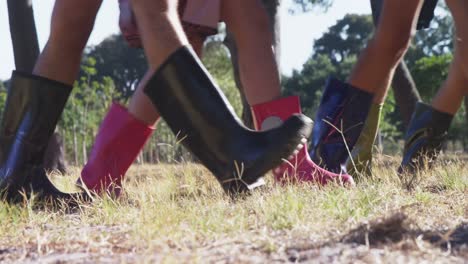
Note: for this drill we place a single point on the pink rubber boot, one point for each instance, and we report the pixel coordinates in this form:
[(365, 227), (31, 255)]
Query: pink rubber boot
[(299, 167), (119, 141)]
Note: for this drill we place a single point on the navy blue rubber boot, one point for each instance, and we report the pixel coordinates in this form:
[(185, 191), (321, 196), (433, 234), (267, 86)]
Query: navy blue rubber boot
[(426, 133), (33, 108), (338, 124)]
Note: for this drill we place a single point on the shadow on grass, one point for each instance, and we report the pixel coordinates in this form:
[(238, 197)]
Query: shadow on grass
[(396, 228), (394, 232)]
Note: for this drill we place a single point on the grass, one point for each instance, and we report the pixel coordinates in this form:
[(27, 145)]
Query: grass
[(178, 213)]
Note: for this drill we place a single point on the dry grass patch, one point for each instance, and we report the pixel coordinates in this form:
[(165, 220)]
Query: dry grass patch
[(178, 213)]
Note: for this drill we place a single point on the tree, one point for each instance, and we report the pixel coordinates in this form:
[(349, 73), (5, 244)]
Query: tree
[(332, 56), (114, 58), (308, 83), (26, 50), (430, 73), (346, 38), (335, 54)]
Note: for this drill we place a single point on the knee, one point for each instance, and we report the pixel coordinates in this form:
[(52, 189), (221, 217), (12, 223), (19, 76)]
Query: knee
[(249, 21), (394, 44)]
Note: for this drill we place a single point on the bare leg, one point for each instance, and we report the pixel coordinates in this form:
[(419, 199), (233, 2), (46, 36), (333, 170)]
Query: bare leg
[(459, 9), (140, 106), (162, 34), (192, 104), (249, 23), (377, 63), (450, 96), (158, 20), (430, 124), (72, 23)]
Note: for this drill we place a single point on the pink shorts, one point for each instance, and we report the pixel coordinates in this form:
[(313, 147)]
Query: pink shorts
[(203, 13), (198, 17)]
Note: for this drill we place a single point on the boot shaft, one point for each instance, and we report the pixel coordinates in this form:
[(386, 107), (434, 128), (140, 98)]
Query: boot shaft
[(176, 93), (429, 121), (424, 138), (119, 141), (273, 113), (199, 114), (360, 161), (338, 123), (33, 107)]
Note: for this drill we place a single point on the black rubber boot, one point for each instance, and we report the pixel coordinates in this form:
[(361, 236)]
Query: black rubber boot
[(341, 115), (33, 107), (196, 110), (424, 138)]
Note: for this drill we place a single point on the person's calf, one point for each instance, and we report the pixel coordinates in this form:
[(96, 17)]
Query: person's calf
[(252, 30), (72, 23)]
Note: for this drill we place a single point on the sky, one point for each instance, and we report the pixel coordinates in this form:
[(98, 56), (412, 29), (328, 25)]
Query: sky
[(298, 31)]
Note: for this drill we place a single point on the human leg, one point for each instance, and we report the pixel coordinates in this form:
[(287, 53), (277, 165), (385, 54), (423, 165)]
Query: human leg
[(124, 132), (250, 25), (36, 101), (345, 106), (193, 106), (71, 25), (430, 123)]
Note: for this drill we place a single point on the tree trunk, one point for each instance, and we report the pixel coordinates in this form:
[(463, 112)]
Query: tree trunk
[(23, 34), (406, 94), (26, 50), (272, 8)]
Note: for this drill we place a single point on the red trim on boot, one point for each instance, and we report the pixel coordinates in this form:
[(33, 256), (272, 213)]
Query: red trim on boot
[(282, 108), (119, 141), (300, 168)]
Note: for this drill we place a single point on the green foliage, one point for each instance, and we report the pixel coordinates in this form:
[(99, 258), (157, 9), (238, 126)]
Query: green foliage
[(334, 55), (308, 83), (429, 73), (3, 96), (115, 59), (218, 62), (88, 103), (391, 127), (111, 71), (346, 38), (435, 41)]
